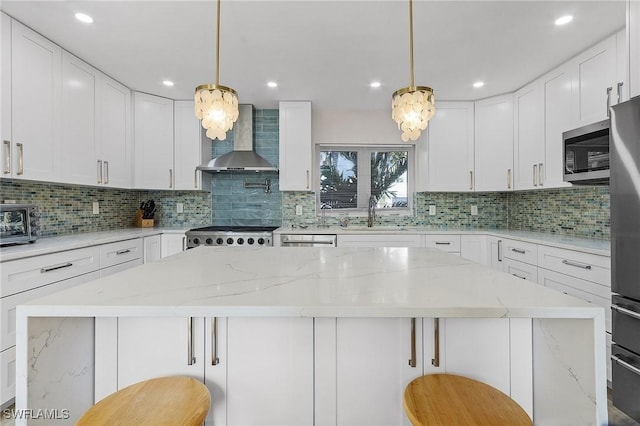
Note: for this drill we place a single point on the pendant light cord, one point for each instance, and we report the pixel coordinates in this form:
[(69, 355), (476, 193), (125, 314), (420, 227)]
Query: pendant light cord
[(218, 44), (411, 41)]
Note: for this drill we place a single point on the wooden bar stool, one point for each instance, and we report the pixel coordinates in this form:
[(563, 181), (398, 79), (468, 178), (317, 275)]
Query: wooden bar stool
[(163, 401), (449, 400)]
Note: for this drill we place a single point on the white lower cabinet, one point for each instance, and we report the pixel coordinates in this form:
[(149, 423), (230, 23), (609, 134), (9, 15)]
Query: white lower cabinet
[(172, 244), (520, 270), (380, 241), (152, 248), (474, 247)]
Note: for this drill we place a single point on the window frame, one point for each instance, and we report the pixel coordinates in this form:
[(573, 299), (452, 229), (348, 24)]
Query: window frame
[(364, 178)]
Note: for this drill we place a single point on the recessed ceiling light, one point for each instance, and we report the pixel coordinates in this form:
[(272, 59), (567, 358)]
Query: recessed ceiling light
[(167, 83), (478, 84), (82, 17), (375, 84), (272, 84), (564, 20)]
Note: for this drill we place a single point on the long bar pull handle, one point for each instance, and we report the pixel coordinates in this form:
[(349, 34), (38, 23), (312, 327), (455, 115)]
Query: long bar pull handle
[(626, 311), (308, 180), (184, 243), (443, 243), (508, 178), (626, 365), (470, 179), (56, 267), (620, 84), (7, 158), (106, 172), (190, 358), (195, 178), (214, 341), (125, 251), (99, 171), (609, 89), (519, 276), (412, 360), (499, 250), (170, 178), (540, 174), (20, 158), (436, 343), (576, 264), (515, 250), (535, 175)]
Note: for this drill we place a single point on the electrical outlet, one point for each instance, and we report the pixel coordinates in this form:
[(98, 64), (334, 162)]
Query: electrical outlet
[(96, 207), (179, 208), (474, 210), (298, 210), (432, 210)]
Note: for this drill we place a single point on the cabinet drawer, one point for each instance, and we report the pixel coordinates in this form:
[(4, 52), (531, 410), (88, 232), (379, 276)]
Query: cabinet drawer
[(105, 272), (593, 293), (120, 252), (379, 241), (26, 274), (450, 243), (587, 266), (521, 251), (520, 270), (7, 374)]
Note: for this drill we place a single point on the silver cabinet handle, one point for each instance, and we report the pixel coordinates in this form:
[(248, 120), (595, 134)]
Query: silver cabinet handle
[(626, 311), (106, 172), (308, 180), (56, 267), (443, 243), (99, 171), (518, 251), (170, 178), (535, 175), (7, 158), (540, 174), (412, 360), (435, 361), (620, 84), (195, 178), (125, 251), (499, 250), (20, 158), (609, 89), (184, 243), (214, 341), (576, 264), (470, 179), (626, 365), (519, 276), (190, 358), (508, 178)]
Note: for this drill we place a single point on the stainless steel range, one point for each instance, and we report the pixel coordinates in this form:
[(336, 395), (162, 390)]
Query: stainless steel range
[(230, 236)]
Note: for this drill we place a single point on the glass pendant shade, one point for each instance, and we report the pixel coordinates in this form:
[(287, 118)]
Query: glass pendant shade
[(217, 107), (412, 108)]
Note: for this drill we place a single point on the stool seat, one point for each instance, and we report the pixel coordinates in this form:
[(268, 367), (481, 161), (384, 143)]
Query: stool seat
[(162, 401), (449, 400)]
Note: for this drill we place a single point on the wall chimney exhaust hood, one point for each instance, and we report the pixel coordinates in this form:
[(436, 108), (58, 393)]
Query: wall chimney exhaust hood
[(242, 158)]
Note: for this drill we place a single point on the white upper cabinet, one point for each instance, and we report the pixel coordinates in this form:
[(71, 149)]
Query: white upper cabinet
[(450, 150), (632, 50), (494, 144), (33, 149), (153, 141), (5, 99), (556, 87), (529, 142), (295, 146), (189, 148)]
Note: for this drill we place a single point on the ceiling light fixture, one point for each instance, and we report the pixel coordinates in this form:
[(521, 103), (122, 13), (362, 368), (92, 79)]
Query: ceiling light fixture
[(478, 84), (375, 84), (564, 20), (82, 17), (412, 107), (216, 105), (167, 83), (272, 84)]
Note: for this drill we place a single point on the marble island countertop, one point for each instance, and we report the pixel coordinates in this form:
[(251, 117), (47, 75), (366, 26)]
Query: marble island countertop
[(312, 282)]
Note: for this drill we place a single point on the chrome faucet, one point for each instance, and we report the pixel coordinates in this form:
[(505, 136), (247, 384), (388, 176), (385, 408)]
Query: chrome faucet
[(371, 213)]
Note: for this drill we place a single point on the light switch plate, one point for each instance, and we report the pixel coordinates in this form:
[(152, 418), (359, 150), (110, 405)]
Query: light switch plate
[(298, 210), (432, 210), (474, 210), (96, 207), (179, 208)]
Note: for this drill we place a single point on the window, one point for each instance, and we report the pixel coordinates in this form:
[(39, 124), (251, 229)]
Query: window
[(349, 176)]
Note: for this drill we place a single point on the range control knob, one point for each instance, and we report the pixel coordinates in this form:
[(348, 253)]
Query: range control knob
[(196, 241), (219, 241), (250, 241), (261, 241), (240, 241), (229, 241), (209, 241)]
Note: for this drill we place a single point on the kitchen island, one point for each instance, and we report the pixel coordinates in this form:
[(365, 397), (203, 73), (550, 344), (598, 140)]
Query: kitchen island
[(313, 335)]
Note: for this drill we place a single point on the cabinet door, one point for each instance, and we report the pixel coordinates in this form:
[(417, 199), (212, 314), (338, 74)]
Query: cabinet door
[(529, 143), (495, 253), (558, 118), (494, 144), (5, 99), (80, 163), (152, 248), (633, 46), (115, 133), (295, 146), (474, 247), (188, 152), (595, 82), (451, 136), (155, 347), (372, 368), (172, 244), (153, 136), (35, 105)]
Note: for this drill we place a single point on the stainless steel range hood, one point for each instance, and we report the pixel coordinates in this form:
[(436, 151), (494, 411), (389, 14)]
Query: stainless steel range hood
[(242, 158)]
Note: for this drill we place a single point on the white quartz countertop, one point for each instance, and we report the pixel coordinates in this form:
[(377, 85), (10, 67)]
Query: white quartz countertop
[(48, 245), (312, 282)]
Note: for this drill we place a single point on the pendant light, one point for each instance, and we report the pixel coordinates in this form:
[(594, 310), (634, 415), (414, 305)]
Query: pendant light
[(412, 107), (216, 105)]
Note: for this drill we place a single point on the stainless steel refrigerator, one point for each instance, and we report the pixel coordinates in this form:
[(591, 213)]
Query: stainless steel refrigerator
[(625, 255)]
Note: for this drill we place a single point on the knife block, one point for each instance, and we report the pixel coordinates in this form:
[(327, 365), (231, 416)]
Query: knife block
[(140, 222)]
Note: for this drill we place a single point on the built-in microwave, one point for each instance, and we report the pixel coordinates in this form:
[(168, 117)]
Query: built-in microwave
[(19, 223), (585, 154)]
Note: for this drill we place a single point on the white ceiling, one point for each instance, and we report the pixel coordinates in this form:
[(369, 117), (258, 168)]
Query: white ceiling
[(324, 51)]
